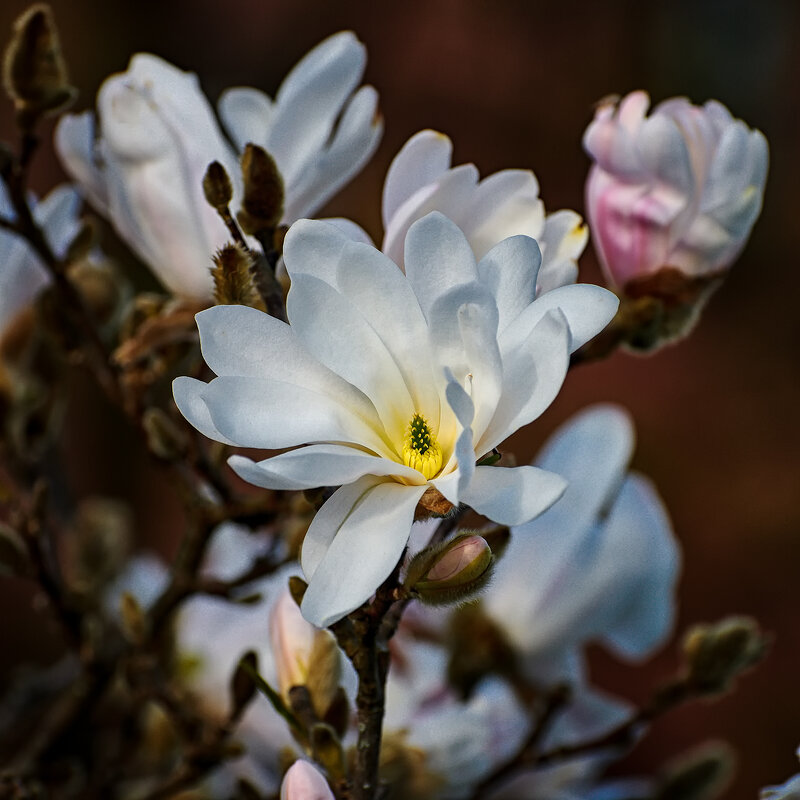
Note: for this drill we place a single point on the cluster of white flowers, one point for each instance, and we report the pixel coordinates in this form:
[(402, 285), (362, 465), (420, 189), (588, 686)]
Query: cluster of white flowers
[(399, 372)]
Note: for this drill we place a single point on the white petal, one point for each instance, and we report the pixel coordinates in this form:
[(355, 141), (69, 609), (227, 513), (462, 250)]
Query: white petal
[(357, 135), (313, 247), (310, 99), (57, 214), (510, 270), (450, 193), (334, 330), (504, 204), (588, 310), (74, 143), (421, 160), (188, 397), (364, 550), (238, 340), (271, 414), (533, 372), (246, 115), (352, 230), (318, 465), (460, 467), (515, 495), (563, 240)]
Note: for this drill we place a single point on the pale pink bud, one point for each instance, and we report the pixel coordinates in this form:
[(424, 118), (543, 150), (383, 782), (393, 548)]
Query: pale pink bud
[(303, 782), (304, 654), (680, 188)]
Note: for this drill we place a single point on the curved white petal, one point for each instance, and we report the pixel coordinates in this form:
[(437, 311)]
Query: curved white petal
[(373, 536), (423, 159), (303, 782), (588, 310), (188, 394), (533, 372), (318, 465), (271, 414), (510, 269), (246, 115), (513, 495), (437, 258), (238, 340)]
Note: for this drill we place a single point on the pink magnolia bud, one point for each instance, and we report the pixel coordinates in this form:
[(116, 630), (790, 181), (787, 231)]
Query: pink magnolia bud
[(303, 782), (680, 188), (304, 655)]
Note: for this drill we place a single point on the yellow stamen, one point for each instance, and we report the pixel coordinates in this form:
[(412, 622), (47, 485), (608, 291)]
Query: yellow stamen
[(421, 451)]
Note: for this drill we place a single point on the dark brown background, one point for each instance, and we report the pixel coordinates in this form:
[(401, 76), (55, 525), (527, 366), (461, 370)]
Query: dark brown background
[(513, 83)]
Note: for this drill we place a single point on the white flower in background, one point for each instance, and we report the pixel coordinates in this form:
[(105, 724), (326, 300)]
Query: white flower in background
[(787, 791), (304, 782), (399, 382), (679, 188), (22, 274), (141, 161), (421, 180), (212, 634), (600, 565)]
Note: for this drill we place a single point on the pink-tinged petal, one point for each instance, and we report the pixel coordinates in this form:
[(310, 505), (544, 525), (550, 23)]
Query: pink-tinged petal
[(303, 782), (423, 159), (373, 536), (318, 465), (514, 495), (510, 270)]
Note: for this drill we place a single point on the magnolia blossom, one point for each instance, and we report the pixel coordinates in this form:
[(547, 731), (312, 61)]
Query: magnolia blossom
[(600, 565), (679, 188), (22, 274), (141, 161), (421, 180), (304, 782), (399, 382)]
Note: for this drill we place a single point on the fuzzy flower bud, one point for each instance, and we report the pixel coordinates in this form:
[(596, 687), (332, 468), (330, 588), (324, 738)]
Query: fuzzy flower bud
[(262, 205), (305, 655), (34, 72), (671, 198), (451, 572)]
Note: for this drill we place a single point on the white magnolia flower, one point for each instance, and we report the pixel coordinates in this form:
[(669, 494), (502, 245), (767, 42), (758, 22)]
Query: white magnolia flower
[(600, 565), (421, 180), (22, 274), (141, 161), (679, 188), (399, 382)]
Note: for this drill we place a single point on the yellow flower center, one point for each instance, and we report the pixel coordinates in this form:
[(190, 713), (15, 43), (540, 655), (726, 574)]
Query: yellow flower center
[(421, 451)]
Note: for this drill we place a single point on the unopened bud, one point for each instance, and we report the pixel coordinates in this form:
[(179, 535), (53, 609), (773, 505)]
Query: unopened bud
[(34, 72), (164, 438), (698, 775), (217, 186), (262, 206), (717, 654), (305, 655), (134, 625), (303, 781), (233, 278), (450, 572)]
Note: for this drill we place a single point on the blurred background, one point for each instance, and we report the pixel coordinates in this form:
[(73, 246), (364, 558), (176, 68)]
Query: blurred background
[(512, 82)]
